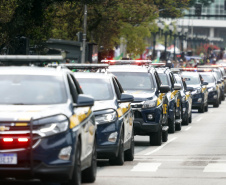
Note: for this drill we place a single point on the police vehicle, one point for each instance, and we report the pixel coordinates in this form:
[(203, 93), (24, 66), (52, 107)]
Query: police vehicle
[(198, 89), (112, 110), (150, 104), (114, 116), (47, 127), (186, 98), (214, 95), (174, 99), (219, 75)]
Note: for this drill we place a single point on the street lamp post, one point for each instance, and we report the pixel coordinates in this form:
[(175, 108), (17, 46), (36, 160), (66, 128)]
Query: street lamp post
[(171, 28), (165, 56), (154, 43)]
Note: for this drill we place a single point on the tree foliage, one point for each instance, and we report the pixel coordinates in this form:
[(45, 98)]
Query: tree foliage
[(108, 20)]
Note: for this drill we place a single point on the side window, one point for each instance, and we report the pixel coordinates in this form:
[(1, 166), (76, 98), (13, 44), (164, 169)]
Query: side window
[(73, 89), (117, 90), (158, 81), (119, 85), (172, 80), (78, 88)]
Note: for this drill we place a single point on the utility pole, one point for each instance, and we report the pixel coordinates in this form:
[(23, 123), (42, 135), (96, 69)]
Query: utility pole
[(84, 36)]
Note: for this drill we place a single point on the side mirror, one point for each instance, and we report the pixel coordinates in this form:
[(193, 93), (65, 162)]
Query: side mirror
[(205, 83), (126, 98), (222, 80), (218, 82), (189, 89), (164, 89), (225, 77), (177, 86), (84, 101)]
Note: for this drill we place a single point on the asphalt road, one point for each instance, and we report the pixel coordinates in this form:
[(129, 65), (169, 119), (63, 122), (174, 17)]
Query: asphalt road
[(195, 155)]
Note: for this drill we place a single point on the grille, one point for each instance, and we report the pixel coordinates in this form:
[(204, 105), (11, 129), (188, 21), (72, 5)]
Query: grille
[(137, 114)]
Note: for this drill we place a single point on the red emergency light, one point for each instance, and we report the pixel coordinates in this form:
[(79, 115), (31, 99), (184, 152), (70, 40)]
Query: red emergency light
[(6, 140), (22, 140)]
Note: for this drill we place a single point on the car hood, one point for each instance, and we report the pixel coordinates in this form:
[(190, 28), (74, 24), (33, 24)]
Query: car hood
[(140, 95), (194, 86), (26, 112), (211, 85), (101, 105)]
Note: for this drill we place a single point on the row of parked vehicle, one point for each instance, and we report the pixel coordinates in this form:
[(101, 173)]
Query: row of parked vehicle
[(56, 121)]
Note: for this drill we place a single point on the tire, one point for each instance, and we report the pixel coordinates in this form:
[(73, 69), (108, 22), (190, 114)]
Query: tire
[(129, 154), (223, 97), (190, 118), (219, 100), (178, 127), (119, 160), (186, 121), (89, 174), (77, 175), (206, 108), (216, 104), (201, 109), (172, 124), (156, 138), (164, 136)]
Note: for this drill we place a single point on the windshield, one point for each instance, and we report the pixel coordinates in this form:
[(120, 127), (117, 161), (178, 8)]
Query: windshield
[(208, 78), (216, 75), (191, 79), (135, 81), (164, 79), (178, 79), (32, 90), (99, 89)]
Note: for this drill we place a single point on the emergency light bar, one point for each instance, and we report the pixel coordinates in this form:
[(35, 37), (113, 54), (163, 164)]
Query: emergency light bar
[(29, 58), (111, 62), (81, 66), (210, 66), (175, 70), (158, 64)]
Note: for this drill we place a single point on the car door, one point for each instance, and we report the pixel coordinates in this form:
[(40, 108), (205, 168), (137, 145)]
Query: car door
[(79, 119), (125, 110)]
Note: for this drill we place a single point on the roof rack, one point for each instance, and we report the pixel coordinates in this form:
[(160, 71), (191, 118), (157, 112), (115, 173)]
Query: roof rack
[(81, 66), (29, 59), (133, 62), (158, 65)]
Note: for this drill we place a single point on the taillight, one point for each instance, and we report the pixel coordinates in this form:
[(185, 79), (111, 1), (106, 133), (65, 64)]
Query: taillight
[(8, 139), (24, 140)]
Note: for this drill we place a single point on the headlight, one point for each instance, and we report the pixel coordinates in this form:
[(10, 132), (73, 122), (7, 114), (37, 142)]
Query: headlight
[(149, 104), (199, 90), (53, 125), (106, 118), (183, 99), (211, 89)]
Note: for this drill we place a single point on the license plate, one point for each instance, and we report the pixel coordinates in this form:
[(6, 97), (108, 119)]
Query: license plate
[(8, 158)]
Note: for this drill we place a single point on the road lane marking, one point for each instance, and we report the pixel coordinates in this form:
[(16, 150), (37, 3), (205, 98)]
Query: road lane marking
[(160, 147), (215, 167), (187, 128), (146, 167), (199, 119)]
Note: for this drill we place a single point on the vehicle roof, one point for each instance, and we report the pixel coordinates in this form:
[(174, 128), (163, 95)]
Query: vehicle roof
[(92, 75), (128, 68), (163, 70), (31, 70), (190, 73)]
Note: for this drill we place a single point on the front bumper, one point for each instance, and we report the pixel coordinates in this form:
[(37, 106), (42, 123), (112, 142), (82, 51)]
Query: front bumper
[(212, 97), (143, 126), (105, 148), (45, 163), (196, 103)]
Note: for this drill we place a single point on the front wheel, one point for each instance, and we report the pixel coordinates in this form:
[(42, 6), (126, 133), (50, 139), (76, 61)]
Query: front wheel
[(76, 176), (89, 175), (119, 160), (190, 118), (129, 154), (216, 104), (206, 108), (172, 123), (201, 109), (156, 137)]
